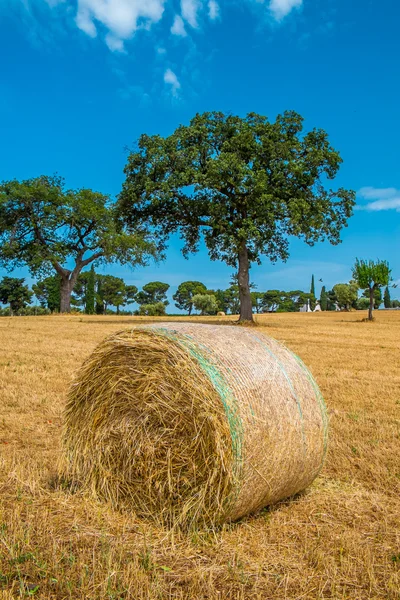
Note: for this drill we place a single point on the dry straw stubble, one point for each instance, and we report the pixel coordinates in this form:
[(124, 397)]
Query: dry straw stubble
[(191, 423)]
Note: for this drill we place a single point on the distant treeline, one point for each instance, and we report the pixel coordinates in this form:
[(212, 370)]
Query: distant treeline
[(95, 293)]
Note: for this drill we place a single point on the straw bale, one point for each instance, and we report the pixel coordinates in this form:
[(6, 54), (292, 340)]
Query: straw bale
[(189, 423)]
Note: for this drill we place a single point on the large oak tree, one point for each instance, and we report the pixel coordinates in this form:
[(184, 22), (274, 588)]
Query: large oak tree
[(51, 229), (245, 184)]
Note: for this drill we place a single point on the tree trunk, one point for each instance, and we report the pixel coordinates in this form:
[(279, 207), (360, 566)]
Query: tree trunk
[(66, 291), (371, 303), (246, 309)]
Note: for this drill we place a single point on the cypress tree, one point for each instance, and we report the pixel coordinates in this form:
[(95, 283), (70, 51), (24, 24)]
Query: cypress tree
[(312, 292), (90, 292), (54, 291), (323, 299), (387, 299), (99, 298)]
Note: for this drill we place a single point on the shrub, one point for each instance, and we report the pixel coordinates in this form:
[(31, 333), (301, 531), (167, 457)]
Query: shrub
[(152, 310)]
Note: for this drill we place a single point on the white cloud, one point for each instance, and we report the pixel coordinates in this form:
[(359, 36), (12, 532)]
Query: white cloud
[(213, 10), (115, 44), (190, 10), (178, 27), (371, 193), (121, 17), (118, 20), (382, 199), (281, 8), (171, 79)]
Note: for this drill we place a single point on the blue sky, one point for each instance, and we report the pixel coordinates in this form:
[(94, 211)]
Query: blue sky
[(81, 80)]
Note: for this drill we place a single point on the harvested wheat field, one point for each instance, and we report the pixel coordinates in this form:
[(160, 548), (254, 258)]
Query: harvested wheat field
[(339, 539)]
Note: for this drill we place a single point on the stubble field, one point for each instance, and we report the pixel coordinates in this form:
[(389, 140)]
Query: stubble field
[(340, 539)]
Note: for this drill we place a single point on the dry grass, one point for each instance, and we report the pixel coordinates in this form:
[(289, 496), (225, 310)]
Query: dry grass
[(341, 539)]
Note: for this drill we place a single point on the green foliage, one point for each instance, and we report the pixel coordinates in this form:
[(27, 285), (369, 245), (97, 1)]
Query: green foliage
[(323, 301), (346, 294), (152, 310), (332, 301), (312, 294), (27, 311), (14, 292), (271, 300), (48, 292), (363, 303), (370, 274), (377, 297), (113, 291), (227, 300), (206, 303), (244, 184), (280, 301), (386, 298), (44, 226), (80, 289), (90, 292), (153, 293), (292, 301), (257, 301), (183, 296)]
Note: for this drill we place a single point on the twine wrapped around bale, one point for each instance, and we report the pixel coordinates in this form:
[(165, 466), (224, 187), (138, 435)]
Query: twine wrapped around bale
[(189, 423)]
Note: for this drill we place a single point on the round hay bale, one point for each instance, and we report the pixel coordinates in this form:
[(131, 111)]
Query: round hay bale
[(189, 423), (221, 314)]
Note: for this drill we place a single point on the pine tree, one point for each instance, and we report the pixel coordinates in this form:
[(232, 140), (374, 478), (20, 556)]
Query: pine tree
[(323, 299), (312, 292), (387, 299), (90, 292)]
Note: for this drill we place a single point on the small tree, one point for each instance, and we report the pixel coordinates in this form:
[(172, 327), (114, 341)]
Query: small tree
[(205, 303), (112, 291), (387, 301), (363, 303), (370, 276), (48, 292), (346, 294), (312, 294), (257, 301), (152, 310), (183, 296), (271, 300), (130, 294), (323, 301), (15, 293), (332, 303), (232, 299), (153, 293)]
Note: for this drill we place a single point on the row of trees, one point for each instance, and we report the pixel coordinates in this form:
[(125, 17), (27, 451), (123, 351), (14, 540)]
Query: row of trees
[(244, 185), (95, 293)]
